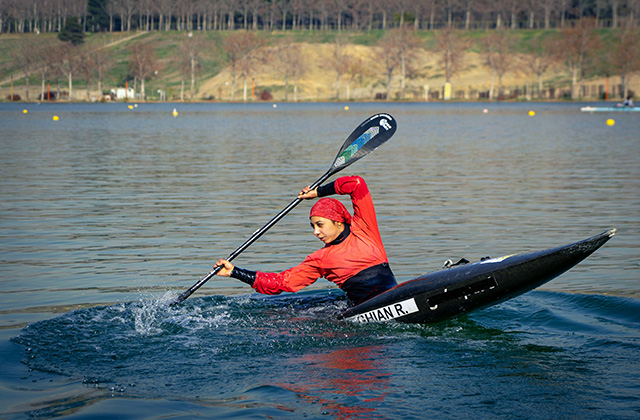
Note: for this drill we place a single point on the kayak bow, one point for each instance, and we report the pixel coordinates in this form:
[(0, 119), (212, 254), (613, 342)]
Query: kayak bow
[(453, 291)]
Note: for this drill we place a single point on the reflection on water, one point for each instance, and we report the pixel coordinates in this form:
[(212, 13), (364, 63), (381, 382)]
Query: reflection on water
[(354, 372)]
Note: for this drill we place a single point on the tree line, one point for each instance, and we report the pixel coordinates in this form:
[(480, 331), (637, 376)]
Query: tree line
[(21, 16), (580, 50)]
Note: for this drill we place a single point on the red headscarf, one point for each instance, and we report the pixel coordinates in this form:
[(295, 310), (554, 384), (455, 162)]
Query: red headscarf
[(331, 209)]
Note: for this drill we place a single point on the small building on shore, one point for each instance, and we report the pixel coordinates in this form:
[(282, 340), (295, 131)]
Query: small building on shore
[(123, 93)]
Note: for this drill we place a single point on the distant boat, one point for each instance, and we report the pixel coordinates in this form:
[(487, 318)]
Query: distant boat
[(610, 108)]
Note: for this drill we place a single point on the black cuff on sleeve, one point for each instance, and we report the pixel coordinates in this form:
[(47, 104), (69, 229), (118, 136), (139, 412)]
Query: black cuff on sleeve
[(327, 189), (245, 276)]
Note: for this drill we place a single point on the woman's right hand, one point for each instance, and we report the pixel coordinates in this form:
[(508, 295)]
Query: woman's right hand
[(308, 193), (227, 268)]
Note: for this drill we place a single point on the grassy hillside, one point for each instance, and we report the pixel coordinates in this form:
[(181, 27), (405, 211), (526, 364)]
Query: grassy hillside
[(319, 83)]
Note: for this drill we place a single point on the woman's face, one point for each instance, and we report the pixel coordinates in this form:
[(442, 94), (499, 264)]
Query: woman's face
[(326, 229)]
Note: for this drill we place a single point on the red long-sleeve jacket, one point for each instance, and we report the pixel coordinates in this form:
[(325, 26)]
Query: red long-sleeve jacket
[(337, 263)]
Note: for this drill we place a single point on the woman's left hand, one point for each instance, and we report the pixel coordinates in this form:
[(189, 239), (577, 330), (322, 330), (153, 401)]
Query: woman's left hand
[(227, 268), (308, 193)]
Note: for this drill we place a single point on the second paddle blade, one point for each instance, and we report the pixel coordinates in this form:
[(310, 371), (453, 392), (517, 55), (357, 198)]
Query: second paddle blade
[(364, 139)]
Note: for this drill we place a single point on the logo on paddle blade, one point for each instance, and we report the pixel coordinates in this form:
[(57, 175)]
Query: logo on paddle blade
[(357, 145)]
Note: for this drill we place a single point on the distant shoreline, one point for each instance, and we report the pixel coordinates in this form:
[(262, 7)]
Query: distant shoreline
[(319, 83)]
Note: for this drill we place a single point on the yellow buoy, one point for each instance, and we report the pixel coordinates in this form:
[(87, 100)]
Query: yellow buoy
[(56, 118), (610, 122), (24, 111), (532, 113), (175, 112), (130, 106), (346, 108)]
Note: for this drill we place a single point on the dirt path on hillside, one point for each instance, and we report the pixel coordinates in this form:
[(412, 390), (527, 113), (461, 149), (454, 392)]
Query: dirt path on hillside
[(102, 47), (120, 41)]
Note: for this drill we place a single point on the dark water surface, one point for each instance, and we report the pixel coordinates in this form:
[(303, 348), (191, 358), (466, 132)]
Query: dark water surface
[(110, 212)]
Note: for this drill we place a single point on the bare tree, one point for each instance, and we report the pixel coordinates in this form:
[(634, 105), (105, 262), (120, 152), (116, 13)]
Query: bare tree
[(633, 7), (468, 12), (547, 7), (399, 49), (512, 8), (338, 61), (391, 45), (340, 6), (409, 44), (191, 56), (615, 4), (401, 6), (434, 6), (25, 57), (282, 62), (142, 65), (126, 10), (87, 67), (255, 7), (165, 10), (289, 61), (300, 68), (296, 6), (68, 62), (539, 60), (184, 11), (532, 7), (419, 9), (44, 67), (241, 49), (574, 47), (498, 47), (561, 6), (51, 15), (103, 63), (625, 56), (111, 9), (451, 47), (284, 9), (359, 13), (356, 70), (495, 9), (146, 9)]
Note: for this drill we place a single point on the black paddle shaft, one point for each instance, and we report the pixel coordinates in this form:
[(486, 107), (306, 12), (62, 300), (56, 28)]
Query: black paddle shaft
[(366, 138), (256, 235)]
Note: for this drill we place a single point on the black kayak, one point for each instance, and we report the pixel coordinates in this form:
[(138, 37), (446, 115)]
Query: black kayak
[(453, 291)]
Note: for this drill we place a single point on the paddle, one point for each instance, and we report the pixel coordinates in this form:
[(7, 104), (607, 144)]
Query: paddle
[(366, 138)]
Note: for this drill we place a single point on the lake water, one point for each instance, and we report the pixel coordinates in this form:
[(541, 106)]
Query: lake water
[(108, 213)]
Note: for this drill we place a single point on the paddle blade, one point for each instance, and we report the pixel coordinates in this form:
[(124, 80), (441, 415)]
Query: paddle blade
[(365, 139)]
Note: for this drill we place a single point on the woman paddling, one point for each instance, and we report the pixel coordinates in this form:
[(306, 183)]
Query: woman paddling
[(353, 256)]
